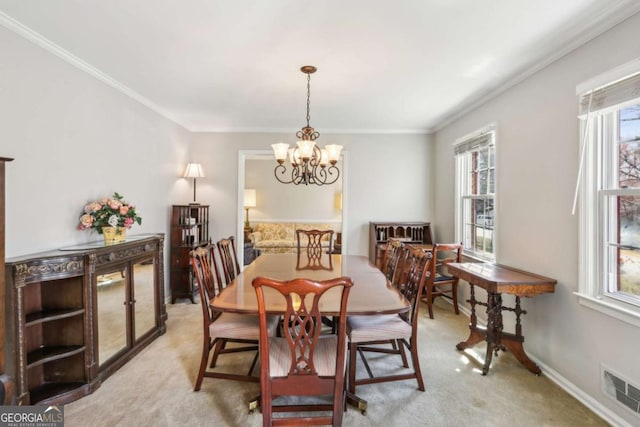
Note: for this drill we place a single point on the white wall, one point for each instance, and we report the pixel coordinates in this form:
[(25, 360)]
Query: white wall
[(279, 202), (75, 139), (537, 159), (388, 178)]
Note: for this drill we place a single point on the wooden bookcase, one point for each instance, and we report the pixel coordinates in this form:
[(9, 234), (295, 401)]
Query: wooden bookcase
[(409, 232), (189, 230), (55, 332)]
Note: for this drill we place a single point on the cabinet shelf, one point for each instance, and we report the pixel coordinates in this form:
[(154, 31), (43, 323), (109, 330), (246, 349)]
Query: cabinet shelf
[(51, 315), (50, 390), (49, 354), (189, 230)]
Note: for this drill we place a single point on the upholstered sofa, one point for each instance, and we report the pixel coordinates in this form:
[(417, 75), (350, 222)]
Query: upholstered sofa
[(280, 237)]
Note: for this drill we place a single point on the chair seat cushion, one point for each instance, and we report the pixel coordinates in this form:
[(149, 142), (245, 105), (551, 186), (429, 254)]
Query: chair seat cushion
[(375, 328), (241, 326), (324, 358)]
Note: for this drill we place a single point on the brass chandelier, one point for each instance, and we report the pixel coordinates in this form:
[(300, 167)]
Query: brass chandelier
[(308, 161)]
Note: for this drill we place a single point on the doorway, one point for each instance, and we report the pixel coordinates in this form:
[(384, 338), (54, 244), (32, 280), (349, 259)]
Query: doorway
[(280, 202)]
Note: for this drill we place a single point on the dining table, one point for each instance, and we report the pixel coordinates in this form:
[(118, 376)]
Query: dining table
[(371, 294)]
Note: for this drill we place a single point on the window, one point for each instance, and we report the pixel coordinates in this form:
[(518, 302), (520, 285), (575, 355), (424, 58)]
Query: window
[(610, 199), (475, 194)]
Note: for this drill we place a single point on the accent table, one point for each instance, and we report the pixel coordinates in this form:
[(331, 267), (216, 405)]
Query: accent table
[(498, 279)]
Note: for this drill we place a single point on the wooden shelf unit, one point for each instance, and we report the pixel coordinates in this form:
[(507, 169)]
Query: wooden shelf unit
[(189, 230), (53, 327), (409, 232)]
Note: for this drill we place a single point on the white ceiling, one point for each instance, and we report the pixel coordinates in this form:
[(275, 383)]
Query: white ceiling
[(383, 66)]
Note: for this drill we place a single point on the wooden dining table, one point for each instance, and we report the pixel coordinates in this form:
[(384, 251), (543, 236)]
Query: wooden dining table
[(371, 294)]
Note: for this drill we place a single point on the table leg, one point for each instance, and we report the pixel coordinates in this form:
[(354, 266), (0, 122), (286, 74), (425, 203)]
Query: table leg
[(476, 334), (514, 342), (357, 401), (494, 328)]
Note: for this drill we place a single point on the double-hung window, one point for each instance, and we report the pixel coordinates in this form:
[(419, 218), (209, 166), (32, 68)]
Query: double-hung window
[(475, 194), (610, 198)]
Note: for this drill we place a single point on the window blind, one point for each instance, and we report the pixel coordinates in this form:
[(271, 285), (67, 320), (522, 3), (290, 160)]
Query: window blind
[(610, 95), (474, 143)]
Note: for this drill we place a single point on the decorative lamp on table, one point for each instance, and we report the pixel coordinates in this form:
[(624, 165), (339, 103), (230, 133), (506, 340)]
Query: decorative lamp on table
[(194, 170)]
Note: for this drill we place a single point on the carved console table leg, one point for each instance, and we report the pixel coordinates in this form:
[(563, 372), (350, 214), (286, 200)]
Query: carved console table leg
[(476, 334), (494, 328), (514, 341)]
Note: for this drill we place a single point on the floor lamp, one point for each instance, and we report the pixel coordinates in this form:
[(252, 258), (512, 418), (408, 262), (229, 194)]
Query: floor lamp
[(249, 202)]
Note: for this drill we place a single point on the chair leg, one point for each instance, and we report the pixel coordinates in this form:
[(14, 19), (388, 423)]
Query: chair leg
[(429, 300), (405, 362), (416, 362), (206, 347), (220, 344), (454, 296), (352, 367)]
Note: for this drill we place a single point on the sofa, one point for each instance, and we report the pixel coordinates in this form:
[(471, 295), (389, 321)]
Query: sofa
[(280, 237)]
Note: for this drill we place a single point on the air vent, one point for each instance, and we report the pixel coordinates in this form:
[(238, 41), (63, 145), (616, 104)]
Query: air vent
[(619, 389)]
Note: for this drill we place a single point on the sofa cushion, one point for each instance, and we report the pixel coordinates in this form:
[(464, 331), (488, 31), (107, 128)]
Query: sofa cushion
[(275, 230), (276, 243)]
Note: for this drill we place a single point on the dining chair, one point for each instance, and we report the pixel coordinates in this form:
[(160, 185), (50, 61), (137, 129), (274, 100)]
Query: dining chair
[(318, 241), (364, 332), (302, 362), (440, 283), (219, 329), (390, 258), (229, 258)]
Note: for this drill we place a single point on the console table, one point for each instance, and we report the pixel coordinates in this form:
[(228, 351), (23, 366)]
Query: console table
[(498, 279)]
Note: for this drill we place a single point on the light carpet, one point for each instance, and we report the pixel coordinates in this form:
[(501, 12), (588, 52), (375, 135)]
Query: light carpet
[(156, 387)]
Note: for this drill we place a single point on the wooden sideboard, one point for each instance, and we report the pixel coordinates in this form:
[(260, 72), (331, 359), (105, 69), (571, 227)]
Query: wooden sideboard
[(77, 314)]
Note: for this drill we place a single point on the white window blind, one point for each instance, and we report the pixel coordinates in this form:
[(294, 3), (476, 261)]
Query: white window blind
[(610, 95)]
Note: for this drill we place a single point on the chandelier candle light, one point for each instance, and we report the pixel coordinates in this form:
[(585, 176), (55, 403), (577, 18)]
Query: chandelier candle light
[(308, 161)]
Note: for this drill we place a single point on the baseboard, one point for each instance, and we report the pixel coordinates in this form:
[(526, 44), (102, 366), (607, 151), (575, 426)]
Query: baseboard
[(587, 400)]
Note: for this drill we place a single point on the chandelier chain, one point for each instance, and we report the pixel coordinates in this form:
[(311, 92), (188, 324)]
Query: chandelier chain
[(308, 98)]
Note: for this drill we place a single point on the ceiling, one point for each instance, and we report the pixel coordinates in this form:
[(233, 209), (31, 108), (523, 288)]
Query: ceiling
[(383, 67)]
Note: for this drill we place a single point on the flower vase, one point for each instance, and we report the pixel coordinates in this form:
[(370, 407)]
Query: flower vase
[(114, 235)]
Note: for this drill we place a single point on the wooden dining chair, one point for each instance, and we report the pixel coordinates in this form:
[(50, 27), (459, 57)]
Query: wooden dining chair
[(364, 332), (390, 258), (317, 242), (229, 258), (440, 282), (302, 362), (219, 329)]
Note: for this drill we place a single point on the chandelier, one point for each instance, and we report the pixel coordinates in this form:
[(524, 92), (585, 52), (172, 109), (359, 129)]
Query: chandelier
[(309, 163)]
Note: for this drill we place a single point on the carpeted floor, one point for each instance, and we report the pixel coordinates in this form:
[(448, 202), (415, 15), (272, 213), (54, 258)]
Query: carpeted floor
[(156, 387)]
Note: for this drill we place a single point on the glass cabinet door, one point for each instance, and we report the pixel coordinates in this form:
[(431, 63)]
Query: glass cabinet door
[(144, 297), (112, 313)]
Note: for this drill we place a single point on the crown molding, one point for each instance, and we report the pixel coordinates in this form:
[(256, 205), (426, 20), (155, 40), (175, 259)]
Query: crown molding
[(46, 44), (607, 21), (205, 129)]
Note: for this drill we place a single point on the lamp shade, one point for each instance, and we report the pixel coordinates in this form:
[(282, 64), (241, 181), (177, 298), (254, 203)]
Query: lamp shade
[(194, 170), (249, 198)]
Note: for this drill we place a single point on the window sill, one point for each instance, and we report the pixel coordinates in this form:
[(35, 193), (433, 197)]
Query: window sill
[(610, 308)]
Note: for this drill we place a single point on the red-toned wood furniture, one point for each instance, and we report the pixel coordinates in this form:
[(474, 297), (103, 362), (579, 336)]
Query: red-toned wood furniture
[(366, 331), (440, 283), (302, 362), (497, 280)]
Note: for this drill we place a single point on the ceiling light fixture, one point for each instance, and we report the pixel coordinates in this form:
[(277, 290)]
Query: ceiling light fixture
[(308, 161)]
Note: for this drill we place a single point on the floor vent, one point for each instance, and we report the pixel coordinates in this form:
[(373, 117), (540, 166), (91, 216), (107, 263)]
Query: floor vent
[(619, 389)]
